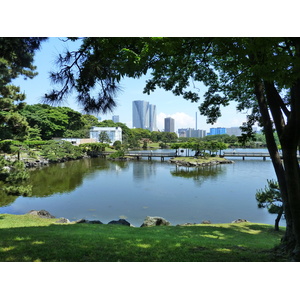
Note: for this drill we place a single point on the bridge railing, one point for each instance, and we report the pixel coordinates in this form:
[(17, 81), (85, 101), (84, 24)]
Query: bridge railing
[(151, 153), (249, 154)]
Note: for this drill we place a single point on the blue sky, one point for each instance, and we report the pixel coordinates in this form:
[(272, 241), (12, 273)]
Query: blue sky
[(167, 105)]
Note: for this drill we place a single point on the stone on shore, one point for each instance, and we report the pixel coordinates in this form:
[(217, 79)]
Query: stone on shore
[(239, 221), (206, 222), (41, 213), (120, 222), (155, 221), (88, 222)]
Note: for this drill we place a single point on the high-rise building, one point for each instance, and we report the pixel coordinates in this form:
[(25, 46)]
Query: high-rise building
[(152, 117), (190, 132), (115, 119), (140, 114), (169, 125), (144, 115), (234, 131)]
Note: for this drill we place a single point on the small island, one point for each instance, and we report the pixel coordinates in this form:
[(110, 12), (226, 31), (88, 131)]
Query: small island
[(199, 161)]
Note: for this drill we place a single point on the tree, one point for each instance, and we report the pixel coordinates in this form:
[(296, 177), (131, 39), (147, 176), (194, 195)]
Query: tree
[(54, 121), (16, 58), (103, 137), (271, 199), (261, 74)]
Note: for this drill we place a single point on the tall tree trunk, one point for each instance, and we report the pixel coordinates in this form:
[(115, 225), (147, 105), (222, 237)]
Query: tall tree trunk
[(291, 165), (289, 142), (289, 135), (288, 241)]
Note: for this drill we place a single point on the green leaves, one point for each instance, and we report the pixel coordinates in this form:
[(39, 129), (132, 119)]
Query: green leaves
[(56, 151)]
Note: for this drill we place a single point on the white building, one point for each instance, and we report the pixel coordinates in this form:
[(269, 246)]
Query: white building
[(114, 133)]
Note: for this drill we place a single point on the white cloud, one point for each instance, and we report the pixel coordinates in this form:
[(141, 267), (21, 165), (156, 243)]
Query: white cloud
[(182, 120)]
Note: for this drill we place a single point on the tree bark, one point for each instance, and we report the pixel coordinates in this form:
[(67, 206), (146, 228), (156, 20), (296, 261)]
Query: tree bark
[(288, 241), (277, 220), (289, 136), (293, 186)]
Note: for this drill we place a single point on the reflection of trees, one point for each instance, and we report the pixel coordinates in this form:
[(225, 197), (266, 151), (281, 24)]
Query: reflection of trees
[(5, 199), (198, 174), (64, 177)]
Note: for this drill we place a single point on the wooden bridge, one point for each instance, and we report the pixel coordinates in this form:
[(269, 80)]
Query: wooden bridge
[(151, 154), (264, 155)]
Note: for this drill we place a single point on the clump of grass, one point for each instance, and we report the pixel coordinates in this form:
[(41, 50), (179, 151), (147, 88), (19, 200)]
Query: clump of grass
[(29, 238)]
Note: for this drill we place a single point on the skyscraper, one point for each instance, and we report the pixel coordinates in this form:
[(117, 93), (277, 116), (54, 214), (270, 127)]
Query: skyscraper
[(115, 119), (169, 125), (190, 132), (140, 114), (152, 117), (144, 115)]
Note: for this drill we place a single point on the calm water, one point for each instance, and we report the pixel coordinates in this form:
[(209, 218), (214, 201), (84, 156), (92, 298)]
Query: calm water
[(98, 189)]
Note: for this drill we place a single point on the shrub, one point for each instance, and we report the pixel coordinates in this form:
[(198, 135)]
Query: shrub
[(117, 154), (57, 150)]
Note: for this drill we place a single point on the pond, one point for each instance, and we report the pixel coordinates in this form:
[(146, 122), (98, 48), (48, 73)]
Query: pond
[(99, 189)]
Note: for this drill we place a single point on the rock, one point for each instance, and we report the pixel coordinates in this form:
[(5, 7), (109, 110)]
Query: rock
[(41, 213), (120, 222), (94, 222), (155, 221), (81, 221), (62, 221), (206, 222), (88, 222), (239, 221)]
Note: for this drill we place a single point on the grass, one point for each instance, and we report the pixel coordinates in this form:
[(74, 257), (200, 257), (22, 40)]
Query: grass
[(30, 238)]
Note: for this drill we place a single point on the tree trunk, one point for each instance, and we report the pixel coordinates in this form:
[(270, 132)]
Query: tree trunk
[(289, 136), (293, 185), (277, 220), (288, 241)]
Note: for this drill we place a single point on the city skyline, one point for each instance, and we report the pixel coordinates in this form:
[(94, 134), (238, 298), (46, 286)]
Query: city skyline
[(167, 105)]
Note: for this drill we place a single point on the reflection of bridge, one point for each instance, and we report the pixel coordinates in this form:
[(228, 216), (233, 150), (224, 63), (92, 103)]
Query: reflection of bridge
[(150, 154)]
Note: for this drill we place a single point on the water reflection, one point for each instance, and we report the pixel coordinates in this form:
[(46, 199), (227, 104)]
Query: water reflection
[(199, 175), (5, 199), (64, 177), (143, 170)]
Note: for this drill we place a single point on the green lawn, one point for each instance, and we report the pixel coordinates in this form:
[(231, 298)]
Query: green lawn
[(30, 238)]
